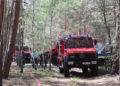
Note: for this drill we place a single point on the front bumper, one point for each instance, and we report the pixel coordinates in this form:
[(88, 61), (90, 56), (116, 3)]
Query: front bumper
[(82, 60)]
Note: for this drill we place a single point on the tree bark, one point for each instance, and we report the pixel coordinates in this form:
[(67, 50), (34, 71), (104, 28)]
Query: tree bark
[(116, 65), (1, 37), (105, 23), (9, 58), (119, 38), (8, 28)]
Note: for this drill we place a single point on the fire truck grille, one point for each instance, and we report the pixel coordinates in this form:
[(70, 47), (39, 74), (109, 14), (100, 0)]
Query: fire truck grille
[(81, 56)]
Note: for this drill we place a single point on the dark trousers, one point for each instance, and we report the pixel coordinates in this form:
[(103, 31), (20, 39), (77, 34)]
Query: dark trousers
[(36, 62)]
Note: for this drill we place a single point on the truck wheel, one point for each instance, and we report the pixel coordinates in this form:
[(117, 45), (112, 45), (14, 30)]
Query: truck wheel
[(85, 70), (66, 69), (22, 66), (94, 70), (61, 70), (21, 69)]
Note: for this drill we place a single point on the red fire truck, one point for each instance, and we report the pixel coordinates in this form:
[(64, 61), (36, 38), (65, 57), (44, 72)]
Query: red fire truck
[(76, 52)]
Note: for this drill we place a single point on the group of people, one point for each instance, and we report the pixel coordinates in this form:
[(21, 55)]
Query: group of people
[(42, 58)]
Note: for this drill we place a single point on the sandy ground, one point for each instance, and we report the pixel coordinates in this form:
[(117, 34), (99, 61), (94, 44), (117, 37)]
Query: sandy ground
[(78, 79), (54, 78)]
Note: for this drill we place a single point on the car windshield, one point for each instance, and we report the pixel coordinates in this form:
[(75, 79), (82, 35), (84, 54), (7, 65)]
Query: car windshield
[(81, 42)]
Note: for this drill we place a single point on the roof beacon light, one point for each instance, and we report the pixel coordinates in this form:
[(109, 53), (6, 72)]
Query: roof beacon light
[(70, 35), (88, 35)]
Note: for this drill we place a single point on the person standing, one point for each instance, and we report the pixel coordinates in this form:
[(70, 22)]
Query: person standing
[(35, 57)]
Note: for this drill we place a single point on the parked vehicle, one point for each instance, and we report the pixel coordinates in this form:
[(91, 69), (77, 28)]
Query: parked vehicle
[(23, 57), (76, 52)]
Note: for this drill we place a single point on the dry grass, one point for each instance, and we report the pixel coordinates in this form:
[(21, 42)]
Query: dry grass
[(54, 78)]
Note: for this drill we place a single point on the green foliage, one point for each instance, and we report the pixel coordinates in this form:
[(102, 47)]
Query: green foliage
[(69, 16)]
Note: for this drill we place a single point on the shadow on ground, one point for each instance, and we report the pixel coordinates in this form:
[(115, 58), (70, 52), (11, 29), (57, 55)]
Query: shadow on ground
[(77, 74)]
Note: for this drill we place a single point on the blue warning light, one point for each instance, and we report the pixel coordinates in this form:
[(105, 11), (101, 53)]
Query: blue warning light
[(88, 35), (70, 35)]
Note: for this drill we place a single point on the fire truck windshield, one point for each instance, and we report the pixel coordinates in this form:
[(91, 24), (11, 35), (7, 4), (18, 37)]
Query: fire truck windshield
[(81, 42)]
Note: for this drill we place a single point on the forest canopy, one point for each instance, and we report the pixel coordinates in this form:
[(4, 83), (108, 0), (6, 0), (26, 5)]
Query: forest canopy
[(77, 17)]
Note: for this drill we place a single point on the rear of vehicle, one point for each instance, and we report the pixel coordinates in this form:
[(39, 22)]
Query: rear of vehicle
[(26, 54)]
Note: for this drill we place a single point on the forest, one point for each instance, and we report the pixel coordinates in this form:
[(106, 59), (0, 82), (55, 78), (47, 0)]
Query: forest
[(40, 24)]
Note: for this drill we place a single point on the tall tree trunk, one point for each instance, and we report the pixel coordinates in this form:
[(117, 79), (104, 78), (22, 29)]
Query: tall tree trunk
[(116, 65), (9, 24), (105, 23), (119, 38), (51, 25), (114, 11), (1, 37), (9, 58)]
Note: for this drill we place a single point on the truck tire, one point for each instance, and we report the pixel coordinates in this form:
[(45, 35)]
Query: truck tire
[(21, 69), (85, 70), (66, 69), (94, 70), (61, 70), (22, 63)]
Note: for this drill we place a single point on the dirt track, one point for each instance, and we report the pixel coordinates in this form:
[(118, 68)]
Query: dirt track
[(54, 78)]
